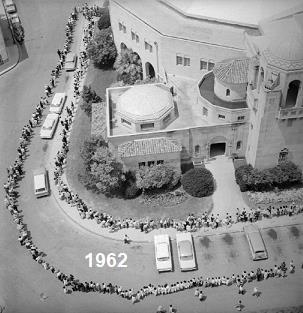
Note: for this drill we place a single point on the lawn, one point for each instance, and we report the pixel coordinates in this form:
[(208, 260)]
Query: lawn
[(100, 80)]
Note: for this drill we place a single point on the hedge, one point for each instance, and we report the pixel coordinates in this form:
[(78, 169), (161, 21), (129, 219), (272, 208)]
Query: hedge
[(198, 182), (284, 175)]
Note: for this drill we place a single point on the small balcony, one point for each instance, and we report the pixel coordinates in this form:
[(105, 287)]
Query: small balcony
[(290, 113)]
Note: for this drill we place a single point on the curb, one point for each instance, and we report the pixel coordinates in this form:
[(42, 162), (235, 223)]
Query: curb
[(13, 65)]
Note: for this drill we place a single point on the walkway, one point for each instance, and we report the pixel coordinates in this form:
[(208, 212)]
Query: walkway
[(227, 196)]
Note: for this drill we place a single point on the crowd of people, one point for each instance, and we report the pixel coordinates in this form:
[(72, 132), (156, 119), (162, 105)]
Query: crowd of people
[(70, 283)]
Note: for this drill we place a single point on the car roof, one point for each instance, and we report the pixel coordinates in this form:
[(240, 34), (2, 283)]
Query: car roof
[(185, 248), (70, 57), (162, 250)]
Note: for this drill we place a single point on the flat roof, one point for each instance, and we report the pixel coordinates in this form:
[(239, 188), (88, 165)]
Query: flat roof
[(241, 12)]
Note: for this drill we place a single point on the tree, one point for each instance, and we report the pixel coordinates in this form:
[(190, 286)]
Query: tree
[(156, 176), (198, 182), (106, 171), (129, 67), (104, 20), (101, 49), (89, 96)]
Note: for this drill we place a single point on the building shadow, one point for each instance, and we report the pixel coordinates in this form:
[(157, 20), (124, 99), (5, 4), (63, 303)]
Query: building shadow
[(23, 52)]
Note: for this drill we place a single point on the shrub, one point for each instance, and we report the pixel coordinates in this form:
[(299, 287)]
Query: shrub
[(198, 182), (131, 191), (89, 96), (129, 67), (157, 176), (101, 49), (283, 175), (104, 20)]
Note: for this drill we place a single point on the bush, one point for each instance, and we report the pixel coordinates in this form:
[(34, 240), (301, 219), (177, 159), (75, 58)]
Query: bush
[(284, 175), (89, 96), (101, 49), (129, 67), (198, 182), (131, 191), (104, 20), (157, 176)]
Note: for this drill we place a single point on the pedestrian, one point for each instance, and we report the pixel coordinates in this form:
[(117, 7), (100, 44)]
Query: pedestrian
[(160, 309), (255, 292), (239, 306), (291, 267), (59, 53), (171, 309), (126, 239)]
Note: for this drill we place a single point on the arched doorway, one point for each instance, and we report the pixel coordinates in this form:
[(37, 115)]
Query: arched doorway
[(217, 146), (292, 93), (123, 46), (150, 71)]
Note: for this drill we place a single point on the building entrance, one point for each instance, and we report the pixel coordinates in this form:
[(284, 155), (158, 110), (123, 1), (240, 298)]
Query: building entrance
[(217, 149)]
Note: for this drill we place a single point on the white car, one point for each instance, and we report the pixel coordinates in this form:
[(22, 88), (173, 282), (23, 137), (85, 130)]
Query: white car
[(163, 253), (58, 102), (10, 6), (186, 252), (49, 126), (41, 183), (70, 62)]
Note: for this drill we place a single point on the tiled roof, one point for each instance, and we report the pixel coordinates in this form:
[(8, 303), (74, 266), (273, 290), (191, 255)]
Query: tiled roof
[(148, 146), (232, 71)]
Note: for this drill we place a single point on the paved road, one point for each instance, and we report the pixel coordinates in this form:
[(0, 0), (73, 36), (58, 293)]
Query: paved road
[(25, 287)]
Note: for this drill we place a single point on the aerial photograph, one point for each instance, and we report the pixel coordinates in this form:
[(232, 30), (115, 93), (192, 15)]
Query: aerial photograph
[(151, 156)]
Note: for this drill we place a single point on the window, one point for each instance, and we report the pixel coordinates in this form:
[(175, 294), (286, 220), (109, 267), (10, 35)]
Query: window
[(283, 155), (197, 149), (205, 111), (241, 118), (166, 118), (120, 26), (227, 93), (123, 121), (203, 65), (150, 163), (148, 46), (160, 161), (211, 65), (179, 60), (221, 117), (133, 35), (137, 38), (239, 144), (141, 164), (186, 61), (147, 126)]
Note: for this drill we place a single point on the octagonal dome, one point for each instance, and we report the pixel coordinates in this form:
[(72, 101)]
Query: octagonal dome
[(145, 102)]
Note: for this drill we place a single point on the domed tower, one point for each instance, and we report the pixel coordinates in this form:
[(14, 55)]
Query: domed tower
[(275, 96)]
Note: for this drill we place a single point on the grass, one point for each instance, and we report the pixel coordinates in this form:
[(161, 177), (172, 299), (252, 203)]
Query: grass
[(99, 81)]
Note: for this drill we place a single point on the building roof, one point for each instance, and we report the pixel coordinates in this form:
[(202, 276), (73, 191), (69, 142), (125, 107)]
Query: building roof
[(232, 71), (244, 12), (145, 102), (148, 146)]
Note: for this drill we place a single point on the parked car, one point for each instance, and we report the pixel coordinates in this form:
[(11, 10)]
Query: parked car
[(58, 102), (186, 252), (70, 62), (10, 6), (163, 253), (255, 241), (41, 183), (49, 126)]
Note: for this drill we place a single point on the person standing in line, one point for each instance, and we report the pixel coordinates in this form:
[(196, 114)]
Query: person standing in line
[(239, 306)]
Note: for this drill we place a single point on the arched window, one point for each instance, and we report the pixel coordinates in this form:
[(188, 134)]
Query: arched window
[(239, 144), (197, 149), (292, 93), (227, 92)]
